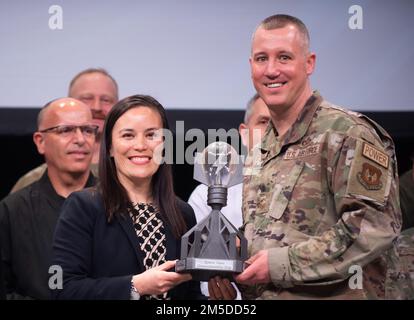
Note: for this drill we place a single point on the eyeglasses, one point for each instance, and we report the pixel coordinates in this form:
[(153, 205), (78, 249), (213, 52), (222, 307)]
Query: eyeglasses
[(69, 130)]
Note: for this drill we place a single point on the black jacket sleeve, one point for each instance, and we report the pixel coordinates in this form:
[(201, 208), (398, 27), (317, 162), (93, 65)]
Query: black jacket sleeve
[(73, 252)]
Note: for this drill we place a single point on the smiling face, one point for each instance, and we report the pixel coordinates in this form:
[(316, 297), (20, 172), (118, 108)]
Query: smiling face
[(65, 152), (136, 145), (280, 66)]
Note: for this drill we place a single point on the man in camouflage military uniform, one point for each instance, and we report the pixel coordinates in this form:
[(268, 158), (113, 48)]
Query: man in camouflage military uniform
[(320, 196), (99, 91)]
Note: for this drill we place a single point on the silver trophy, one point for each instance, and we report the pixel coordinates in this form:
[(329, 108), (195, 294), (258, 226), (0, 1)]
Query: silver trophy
[(214, 246)]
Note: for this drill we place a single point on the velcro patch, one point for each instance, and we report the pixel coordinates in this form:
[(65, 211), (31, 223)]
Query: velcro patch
[(372, 153), (369, 178)]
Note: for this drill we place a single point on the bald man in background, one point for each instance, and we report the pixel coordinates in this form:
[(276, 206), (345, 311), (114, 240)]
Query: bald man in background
[(99, 91), (65, 136)]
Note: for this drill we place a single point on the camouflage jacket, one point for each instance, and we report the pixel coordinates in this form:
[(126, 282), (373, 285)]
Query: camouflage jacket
[(323, 199)]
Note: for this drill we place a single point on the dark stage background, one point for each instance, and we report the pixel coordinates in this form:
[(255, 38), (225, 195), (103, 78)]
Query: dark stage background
[(19, 153)]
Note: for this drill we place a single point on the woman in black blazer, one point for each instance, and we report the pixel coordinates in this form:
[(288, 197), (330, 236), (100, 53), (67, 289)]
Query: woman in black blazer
[(120, 240)]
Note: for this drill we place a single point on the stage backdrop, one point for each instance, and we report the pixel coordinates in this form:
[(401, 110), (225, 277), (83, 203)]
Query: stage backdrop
[(194, 53)]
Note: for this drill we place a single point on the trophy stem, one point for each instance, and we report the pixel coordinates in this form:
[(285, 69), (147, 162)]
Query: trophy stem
[(217, 197)]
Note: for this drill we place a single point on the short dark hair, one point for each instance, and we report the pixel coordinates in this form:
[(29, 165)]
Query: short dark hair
[(93, 70), (115, 197), (282, 20)]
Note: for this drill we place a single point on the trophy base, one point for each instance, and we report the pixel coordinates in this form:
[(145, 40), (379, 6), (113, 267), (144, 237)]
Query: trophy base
[(205, 269)]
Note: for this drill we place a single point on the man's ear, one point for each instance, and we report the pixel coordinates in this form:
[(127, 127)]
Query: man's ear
[(244, 134), (251, 67), (310, 63), (39, 141)]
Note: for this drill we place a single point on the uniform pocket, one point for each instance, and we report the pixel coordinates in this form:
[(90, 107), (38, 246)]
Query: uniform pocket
[(283, 191)]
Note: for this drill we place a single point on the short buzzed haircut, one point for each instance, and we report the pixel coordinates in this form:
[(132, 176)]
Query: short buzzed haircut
[(93, 70), (249, 108), (278, 21)]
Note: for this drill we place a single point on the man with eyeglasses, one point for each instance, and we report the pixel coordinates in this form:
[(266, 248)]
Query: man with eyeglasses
[(99, 91), (65, 136)]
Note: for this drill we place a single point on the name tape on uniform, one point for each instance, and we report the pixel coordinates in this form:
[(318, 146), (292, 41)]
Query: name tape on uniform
[(301, 153)]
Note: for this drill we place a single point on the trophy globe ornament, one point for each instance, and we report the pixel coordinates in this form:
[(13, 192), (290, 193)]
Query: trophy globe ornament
[(214, 246)]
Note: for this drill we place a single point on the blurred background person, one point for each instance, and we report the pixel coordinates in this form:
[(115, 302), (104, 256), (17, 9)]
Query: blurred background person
[(407, 197), (2, 289), (99, 91), (66, 137)]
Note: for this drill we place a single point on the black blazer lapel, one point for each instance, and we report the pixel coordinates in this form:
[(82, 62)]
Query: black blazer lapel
[(128, 228)]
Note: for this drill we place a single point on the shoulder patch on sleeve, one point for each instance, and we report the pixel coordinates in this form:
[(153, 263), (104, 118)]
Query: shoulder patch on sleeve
[(369, 175)]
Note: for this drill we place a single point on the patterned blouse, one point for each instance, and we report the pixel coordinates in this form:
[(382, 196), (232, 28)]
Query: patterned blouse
[(151, 236)]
